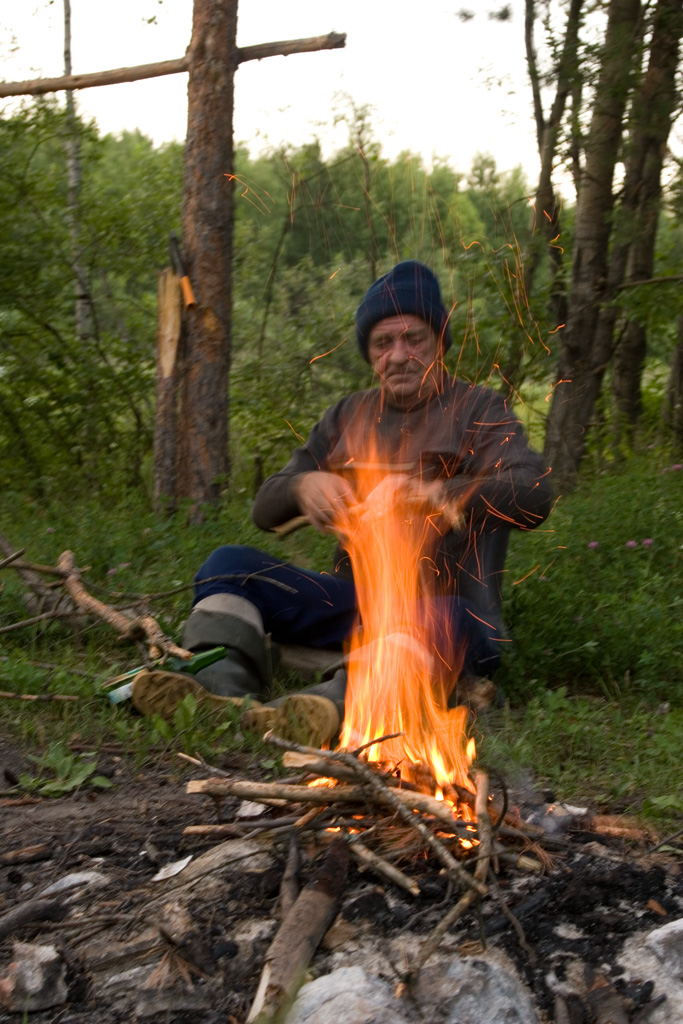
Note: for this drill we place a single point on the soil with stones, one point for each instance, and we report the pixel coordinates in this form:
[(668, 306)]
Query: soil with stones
[(135, 945)]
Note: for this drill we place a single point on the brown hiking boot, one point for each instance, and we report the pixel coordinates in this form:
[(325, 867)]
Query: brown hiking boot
[(157, 692), (303, 718)]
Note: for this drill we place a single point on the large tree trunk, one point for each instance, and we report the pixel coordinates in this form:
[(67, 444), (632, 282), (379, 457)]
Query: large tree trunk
[(579, 371), (653, 111), (207, 241)]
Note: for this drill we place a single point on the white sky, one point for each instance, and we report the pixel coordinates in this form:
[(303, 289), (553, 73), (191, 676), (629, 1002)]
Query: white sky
[(436, 85)]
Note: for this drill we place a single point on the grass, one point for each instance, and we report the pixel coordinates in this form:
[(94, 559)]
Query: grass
[(592, 679)]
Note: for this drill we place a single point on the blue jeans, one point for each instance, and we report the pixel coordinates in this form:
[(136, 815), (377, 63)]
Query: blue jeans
[(314, 609)]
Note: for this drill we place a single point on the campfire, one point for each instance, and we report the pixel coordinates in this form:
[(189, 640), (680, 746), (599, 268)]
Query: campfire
[(398, 679)]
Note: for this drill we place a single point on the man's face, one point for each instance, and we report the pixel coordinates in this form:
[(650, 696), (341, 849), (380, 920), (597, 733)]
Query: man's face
[(404, 352)]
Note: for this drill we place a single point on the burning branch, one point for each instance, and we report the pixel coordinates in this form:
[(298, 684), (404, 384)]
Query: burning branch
[(480, 873), (395, 799)]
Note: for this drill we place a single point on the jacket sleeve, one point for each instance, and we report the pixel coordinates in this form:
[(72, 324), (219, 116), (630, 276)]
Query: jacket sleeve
[(498, 479), (276, 501)]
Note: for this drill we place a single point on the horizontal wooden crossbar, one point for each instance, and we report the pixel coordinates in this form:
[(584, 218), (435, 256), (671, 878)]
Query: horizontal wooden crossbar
[(40, 86)]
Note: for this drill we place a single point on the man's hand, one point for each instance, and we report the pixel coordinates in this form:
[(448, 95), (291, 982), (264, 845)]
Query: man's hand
[(325, 498), (413, 493), (433, 497)]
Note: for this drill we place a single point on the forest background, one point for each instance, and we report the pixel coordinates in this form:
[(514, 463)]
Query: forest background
[(593, 600)]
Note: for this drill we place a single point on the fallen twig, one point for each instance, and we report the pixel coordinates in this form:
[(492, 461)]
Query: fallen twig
[(11, 558), (67, 613), (27, 854), (31, 910), (142, 628), (298, 936), (40, 697)]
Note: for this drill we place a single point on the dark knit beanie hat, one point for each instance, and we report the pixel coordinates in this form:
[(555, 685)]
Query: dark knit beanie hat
[(411, 287)]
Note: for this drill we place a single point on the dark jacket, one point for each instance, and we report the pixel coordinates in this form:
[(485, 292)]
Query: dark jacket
[(465, 436)]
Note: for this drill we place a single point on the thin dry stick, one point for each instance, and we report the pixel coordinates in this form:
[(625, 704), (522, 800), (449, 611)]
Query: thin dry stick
[(201, 762), (388, 796), (56, 614), (480, 872), (50, 666), (11, 558), (502, 903), (21, 563), (309, 816), (41, 697), (289, 883), (371, 743), (369, 859), (324, 769), (276, 793)]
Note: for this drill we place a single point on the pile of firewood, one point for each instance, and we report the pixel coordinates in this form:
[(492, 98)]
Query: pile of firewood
[(361, 810)]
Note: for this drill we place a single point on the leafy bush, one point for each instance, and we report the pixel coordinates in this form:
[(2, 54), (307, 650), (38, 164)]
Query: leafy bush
[(593, 597)]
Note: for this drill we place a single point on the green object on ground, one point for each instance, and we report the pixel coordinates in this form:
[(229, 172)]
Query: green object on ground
[(191, 666)]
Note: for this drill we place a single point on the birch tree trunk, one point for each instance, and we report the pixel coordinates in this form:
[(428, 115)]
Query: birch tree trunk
[(579, 371), (83, 302)]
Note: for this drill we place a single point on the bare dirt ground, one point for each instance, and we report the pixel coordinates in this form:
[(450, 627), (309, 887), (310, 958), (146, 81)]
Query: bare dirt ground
[(136, 948)]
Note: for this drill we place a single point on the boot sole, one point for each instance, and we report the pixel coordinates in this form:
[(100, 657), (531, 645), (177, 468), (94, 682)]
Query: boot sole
[(156, 692), (302, 718)]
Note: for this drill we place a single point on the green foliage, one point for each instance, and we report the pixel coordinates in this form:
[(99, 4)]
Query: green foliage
[(60, 772), (309, 236), (69, 403), (593, 596), (596, 630), (611, 755)]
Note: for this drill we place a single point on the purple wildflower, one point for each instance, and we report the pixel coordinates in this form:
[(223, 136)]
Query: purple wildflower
[(593, 544), (631, 544), (676, 465), (647, 542)]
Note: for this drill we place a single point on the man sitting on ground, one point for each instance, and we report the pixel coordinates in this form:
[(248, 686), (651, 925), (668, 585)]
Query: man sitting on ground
[(445, 443)]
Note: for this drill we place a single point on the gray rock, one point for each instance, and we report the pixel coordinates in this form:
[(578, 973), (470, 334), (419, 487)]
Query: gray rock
[(349, 995), (472, 991), (667, 945), (75, 880), (36, 979)]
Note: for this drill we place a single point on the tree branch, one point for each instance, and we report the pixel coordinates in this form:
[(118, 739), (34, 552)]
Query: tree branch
[(40, 86)]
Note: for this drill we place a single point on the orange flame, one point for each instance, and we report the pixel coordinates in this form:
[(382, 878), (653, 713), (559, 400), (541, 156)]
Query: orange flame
[(398, 678)]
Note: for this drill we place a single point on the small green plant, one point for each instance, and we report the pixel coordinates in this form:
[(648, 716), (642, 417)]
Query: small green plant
[(60, 772), (197, 729)]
